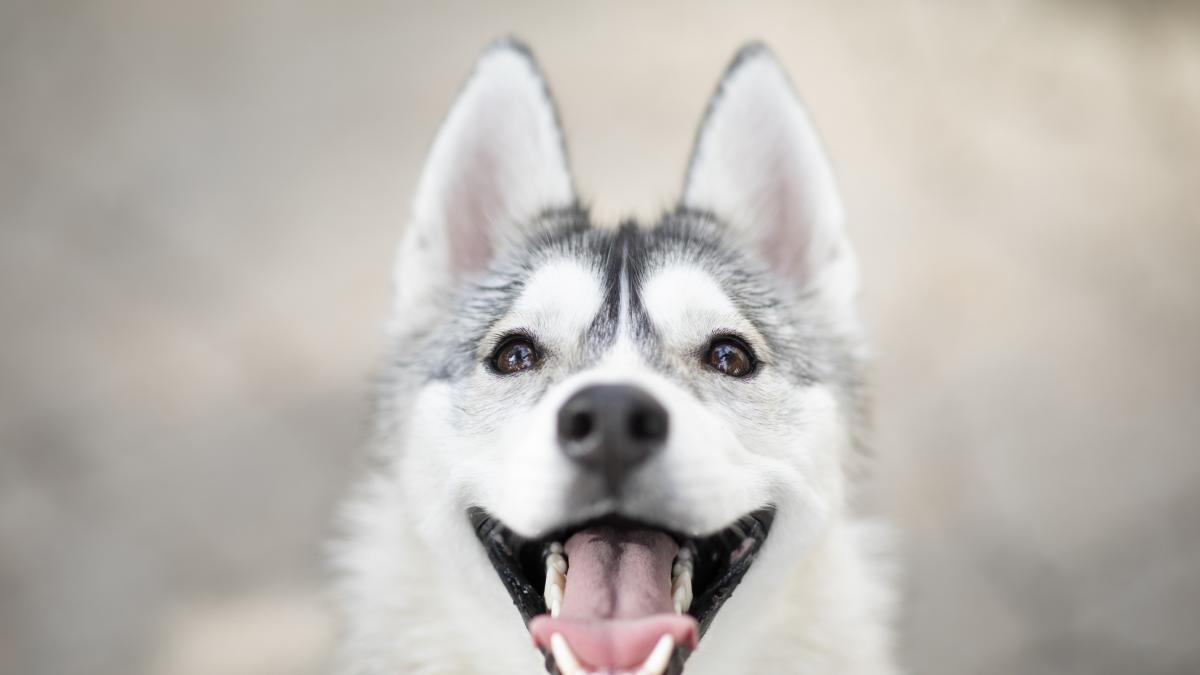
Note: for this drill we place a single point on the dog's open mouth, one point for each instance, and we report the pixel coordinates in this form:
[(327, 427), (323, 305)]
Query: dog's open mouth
[(620, 597)]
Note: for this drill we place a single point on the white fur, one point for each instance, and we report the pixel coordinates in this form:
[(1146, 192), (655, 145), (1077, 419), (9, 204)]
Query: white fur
[(686, 303), (559, 301), (422, 587), (419, 593)]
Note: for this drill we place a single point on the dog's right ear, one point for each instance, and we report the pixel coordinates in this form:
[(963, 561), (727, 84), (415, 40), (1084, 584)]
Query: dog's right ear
[(498, 161), (759, 166)]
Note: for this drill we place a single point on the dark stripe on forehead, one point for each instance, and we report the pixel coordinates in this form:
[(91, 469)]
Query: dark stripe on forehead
[(623, 264), (614, 272), (609, 248), (641, 329)]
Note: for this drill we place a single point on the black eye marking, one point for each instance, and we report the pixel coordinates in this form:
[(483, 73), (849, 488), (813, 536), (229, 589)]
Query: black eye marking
[(730, 356), (514, 354)]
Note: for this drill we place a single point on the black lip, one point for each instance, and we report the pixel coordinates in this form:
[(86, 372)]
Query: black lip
[(518, 562)]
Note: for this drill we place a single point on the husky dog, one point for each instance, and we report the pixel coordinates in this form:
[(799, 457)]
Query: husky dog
[(623, 449)]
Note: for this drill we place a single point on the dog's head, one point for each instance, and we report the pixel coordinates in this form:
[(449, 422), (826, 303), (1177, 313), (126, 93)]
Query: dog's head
[(624, 421)]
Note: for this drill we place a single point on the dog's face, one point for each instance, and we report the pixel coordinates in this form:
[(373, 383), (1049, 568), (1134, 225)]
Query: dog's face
[(627, 421)]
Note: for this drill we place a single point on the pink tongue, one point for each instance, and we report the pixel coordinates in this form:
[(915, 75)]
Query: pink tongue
[(617, 603)]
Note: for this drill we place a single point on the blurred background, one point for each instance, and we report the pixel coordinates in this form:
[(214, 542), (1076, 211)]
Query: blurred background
[(198, 207)]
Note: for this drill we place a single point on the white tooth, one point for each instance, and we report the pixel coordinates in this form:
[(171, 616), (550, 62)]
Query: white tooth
[(564, 658), (659, 659), (681, 592), (681, 567), (555, 585), (684, 579), (684, 553), (683, 600), (556, 581), (553, 576)]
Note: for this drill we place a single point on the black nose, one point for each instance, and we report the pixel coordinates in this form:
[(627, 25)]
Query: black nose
[(611, 429)]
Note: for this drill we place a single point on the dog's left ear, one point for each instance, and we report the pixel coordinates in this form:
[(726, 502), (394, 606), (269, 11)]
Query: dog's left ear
[(759, 166), (498, 161)]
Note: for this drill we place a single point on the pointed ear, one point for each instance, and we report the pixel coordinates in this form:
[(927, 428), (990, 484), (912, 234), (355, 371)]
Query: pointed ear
[(498, 161), (759, 166)]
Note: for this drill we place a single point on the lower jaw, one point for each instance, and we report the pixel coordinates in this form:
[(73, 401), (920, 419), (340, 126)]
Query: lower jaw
[(654, 642)]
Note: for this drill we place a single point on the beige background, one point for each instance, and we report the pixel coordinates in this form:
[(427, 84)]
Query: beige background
[(198, 204)]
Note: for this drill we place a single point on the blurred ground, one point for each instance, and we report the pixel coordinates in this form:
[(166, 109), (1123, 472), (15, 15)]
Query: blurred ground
[(198, 205)]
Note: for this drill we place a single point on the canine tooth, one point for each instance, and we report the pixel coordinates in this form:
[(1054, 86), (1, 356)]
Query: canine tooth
[(554, 600), (659, 659), (683, 600), (564, 658), (681, 592), (556, 581), (555, 586), (685, 554), (553, 575)]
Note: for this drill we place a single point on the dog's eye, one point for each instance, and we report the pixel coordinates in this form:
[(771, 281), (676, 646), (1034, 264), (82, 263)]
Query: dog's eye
[(730, 356), (515, 354)]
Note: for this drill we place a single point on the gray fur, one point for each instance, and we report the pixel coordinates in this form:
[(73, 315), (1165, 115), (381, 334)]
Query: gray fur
[(809, 346)]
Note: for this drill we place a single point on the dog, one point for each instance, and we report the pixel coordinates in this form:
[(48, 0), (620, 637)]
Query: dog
[(618, 449)]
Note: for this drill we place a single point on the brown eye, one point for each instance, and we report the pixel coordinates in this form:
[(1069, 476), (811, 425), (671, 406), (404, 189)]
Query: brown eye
[(730, 356), (514, 355)]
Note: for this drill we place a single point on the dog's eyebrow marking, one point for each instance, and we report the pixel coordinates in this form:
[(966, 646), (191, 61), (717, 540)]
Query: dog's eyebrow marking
[(558, 303), (686, 305)]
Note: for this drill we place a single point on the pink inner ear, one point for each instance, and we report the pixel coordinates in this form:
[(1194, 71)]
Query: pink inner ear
[(476, 203), (786, 255), (787, 223), (785, 239)]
